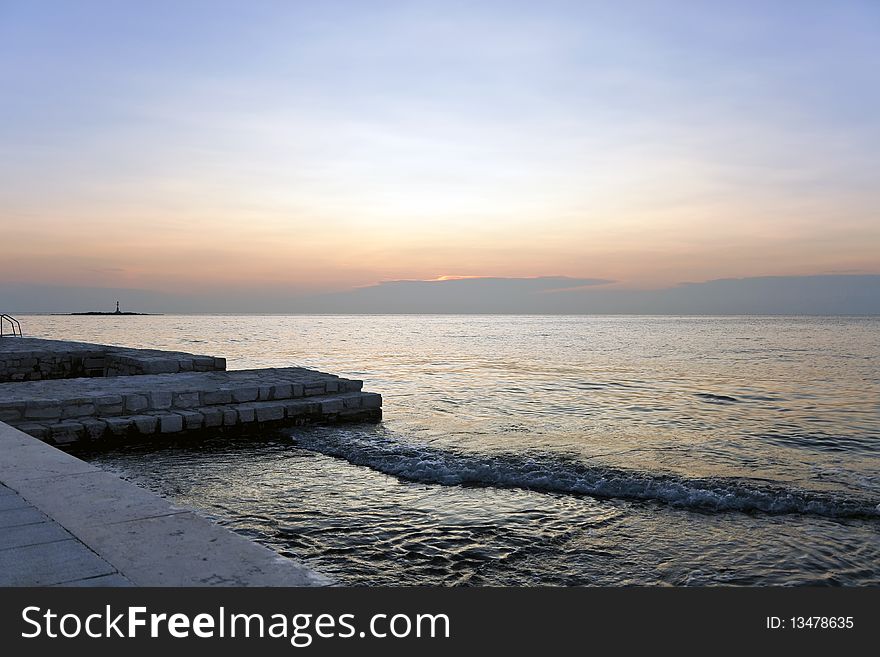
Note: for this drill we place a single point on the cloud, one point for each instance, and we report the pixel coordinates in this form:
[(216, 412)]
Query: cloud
[(770, 295), (820, 295), (455, 295)]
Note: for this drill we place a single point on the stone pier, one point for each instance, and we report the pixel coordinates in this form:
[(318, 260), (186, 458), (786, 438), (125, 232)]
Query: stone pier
[(35, 359), (65, 522), (195, 394)]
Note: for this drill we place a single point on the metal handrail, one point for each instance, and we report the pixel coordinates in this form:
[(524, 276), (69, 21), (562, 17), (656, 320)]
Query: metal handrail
[(14, 323)]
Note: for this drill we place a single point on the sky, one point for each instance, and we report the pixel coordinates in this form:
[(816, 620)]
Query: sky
[(282, 151)]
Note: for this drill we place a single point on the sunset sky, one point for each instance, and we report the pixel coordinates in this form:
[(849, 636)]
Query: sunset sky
[(224, 147)]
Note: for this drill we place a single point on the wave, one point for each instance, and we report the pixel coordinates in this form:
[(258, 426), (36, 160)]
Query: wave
[(559, 474), (723, 399)]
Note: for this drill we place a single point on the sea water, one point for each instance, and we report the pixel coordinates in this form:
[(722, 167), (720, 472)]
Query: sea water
[(543, 450)]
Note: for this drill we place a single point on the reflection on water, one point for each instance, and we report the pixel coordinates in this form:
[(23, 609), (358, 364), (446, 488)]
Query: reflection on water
[(559, 450)]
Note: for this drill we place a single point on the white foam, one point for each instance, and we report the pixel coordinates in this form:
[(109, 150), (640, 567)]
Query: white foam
[(552, 473)]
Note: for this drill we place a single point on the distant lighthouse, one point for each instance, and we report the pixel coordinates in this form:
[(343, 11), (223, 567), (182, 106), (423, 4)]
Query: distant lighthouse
[(118, 312)]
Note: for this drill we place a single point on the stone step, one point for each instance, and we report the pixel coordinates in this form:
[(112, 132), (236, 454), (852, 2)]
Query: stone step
[(348, 406), (35, 359), (54, 401)]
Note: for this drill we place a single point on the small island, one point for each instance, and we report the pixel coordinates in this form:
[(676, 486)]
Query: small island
[(116, 312)]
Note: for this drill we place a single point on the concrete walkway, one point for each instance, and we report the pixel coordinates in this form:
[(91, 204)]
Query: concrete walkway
[(65, 522), (37, 551)]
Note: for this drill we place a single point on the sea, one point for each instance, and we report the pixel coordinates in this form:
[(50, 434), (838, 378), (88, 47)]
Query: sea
[(541, 450)]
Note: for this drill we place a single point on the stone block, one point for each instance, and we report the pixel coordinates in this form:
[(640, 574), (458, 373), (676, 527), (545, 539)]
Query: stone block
[(63, 433), (246, 414), (213, 417), (295, 409), (353, 401), (192, 419), (39, 431), (42, 410), (170, 423), (282, 391), (332, 386), (360, 415), (265, 393), (79, 401), (270, 413), (94, 428), (245, 394), (11, 413), (214, 397), (109, 405), (185, 399), (78, 410), (331, 406), (108, 400), (230, 417), (371, 400), (202, 363), (160, 400), (145, 424), (119, 426), (161, 366), (314, 388), (136, 403)]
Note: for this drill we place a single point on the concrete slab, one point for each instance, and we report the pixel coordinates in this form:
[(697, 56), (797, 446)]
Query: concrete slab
[(50, 563), (94, 498), (33, 462), (41, 532), (18, 517), (8, 502), (160, 551), (103, 581), (87, 527)]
